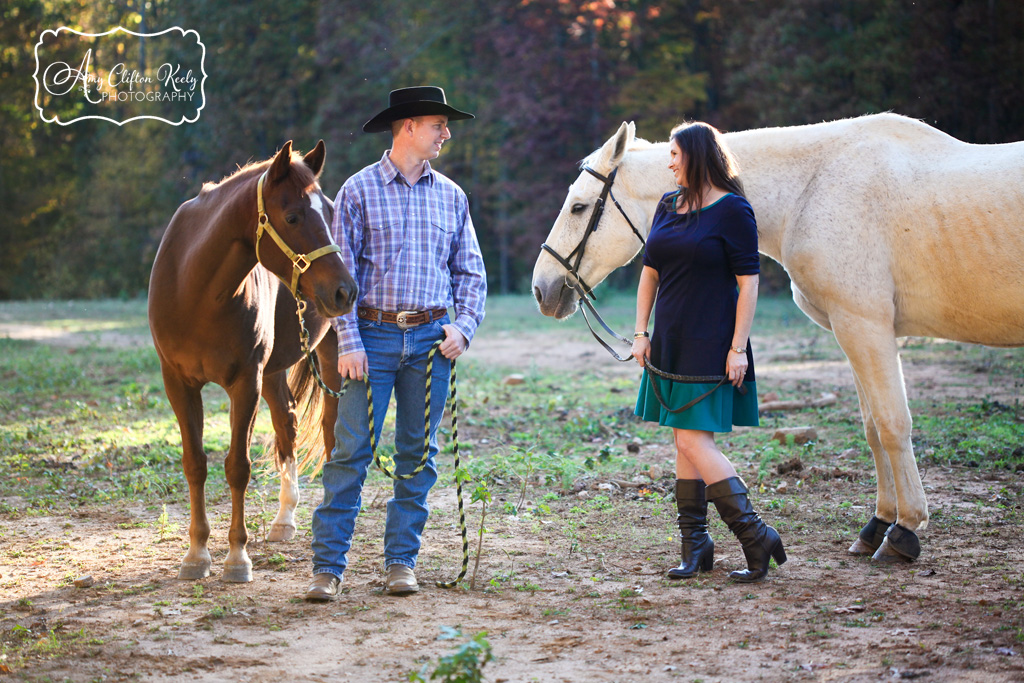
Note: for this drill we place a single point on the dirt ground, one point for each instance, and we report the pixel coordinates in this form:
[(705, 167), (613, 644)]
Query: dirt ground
[(560, 602)]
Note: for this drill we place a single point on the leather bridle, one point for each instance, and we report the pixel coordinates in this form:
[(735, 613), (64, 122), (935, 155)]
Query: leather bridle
[(574, 281), (573, 269)]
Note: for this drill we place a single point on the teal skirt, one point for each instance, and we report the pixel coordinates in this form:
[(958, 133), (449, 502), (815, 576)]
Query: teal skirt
[(719, 412)]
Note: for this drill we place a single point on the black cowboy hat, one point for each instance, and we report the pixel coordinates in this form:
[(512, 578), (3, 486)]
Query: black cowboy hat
[(405, 103)]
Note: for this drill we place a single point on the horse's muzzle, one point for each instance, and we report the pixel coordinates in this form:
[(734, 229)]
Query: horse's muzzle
[(344, 299), (554, 299), (338, 301)]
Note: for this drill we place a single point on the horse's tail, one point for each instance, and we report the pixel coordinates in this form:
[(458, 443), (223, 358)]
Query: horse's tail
[(310, 438)]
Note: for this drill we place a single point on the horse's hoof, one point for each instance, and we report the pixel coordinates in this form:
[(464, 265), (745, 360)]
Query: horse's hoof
[(281, 532), (870, 537), (237, 573), (886, 555), (904, 541), (190, 571), (859, 547), (901, 545)]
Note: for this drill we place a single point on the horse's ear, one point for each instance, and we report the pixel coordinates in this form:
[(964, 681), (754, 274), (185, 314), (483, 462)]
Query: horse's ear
[(315, 158), (282, 163), (613, 150)]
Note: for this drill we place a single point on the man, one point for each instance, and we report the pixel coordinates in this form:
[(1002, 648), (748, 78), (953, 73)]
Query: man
[(407, 237)]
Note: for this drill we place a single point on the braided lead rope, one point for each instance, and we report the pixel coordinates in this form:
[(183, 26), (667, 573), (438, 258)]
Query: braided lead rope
[(452, 398), (458, 478), (689, 379)]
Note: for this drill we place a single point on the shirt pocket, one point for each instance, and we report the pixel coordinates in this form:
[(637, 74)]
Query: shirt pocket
[(440, 238), (440, 227), (384, 238)]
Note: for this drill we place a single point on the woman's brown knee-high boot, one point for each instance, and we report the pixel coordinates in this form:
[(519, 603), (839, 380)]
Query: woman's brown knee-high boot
[(698, 548), (760, 542)]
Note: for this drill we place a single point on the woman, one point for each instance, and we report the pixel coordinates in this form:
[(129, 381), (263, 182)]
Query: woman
[(701, 270)]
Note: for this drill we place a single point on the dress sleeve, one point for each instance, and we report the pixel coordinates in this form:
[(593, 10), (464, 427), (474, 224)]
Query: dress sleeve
[(740, 237)]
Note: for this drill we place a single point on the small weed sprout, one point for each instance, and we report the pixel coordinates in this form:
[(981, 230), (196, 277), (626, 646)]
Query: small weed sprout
[(480, 493), (165, 529), (465, 665)]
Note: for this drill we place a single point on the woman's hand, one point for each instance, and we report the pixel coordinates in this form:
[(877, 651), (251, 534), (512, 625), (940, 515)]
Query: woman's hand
[(736, 367), (642, 350)]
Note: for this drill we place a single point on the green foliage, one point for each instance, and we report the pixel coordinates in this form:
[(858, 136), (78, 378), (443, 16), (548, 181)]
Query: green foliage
[(481, 493), (465, 665), (85, 205)]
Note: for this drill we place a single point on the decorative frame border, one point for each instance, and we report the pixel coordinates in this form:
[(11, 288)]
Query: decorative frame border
[(184, 33)]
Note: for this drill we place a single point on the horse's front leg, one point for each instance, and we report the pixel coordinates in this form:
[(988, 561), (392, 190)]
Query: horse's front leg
[(873, 533), (187, 403), (245, 396), (870, 345)]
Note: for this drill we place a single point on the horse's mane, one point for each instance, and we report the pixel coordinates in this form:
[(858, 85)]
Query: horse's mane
[(303, 176)]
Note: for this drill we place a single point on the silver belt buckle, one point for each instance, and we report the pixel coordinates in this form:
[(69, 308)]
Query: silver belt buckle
[(402, 317)]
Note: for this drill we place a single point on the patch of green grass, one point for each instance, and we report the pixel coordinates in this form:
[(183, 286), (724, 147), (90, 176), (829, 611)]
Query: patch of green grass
[(92, 425), (977, 434), (20, 645)]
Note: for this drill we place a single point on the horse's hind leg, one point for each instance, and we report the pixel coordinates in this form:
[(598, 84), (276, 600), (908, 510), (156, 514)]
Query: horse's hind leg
[(245, 396), (187, 402), (327, 354), (282, 413)]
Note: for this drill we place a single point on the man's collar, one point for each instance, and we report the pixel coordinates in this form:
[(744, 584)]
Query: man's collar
[(389, 172)]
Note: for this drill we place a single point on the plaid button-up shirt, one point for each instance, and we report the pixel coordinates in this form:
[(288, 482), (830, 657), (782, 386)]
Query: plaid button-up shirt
[(410, 248)]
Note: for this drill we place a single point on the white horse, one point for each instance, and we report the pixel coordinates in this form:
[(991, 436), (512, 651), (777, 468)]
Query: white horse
[(887, 228)]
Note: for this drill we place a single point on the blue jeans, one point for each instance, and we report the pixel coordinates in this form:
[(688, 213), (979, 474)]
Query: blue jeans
[(398, 362)]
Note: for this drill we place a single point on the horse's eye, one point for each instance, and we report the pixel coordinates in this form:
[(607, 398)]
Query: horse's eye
[(578, 208), (292, 218)]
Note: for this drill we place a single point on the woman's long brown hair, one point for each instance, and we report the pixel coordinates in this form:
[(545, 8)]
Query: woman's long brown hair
[(708, 162)]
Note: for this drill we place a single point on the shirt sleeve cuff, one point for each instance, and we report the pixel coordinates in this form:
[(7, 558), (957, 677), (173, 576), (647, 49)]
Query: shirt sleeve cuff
[(467, 326), (349, 340)]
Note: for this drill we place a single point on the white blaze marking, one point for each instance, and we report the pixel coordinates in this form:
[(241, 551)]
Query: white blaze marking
[(317, 205)]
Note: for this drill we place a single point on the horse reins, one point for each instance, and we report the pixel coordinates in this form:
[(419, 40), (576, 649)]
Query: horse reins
[(300, 264), (586, 293)]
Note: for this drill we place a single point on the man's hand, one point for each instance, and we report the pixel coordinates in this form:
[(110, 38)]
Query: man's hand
[(454, 342), (353, 365)]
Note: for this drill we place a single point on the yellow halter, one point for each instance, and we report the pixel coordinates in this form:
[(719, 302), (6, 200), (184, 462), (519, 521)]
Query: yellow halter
[(300, 262)]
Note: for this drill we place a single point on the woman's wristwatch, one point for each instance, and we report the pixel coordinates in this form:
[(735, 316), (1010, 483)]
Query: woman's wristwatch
[(738, 349), (638, 335)]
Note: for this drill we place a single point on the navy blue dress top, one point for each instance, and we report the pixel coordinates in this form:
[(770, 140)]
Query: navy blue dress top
[(698, 256)]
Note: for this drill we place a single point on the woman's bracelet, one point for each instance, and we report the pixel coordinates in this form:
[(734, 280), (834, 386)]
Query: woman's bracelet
[(638, 335)]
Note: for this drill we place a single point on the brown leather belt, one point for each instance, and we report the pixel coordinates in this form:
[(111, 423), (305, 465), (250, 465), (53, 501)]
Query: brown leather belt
[(404, 319)]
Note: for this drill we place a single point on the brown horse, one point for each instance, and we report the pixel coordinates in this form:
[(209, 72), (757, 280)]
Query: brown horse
[(220, 311)]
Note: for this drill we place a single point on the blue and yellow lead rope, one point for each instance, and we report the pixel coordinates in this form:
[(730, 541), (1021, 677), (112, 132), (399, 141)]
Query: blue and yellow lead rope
[(453, 400)]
